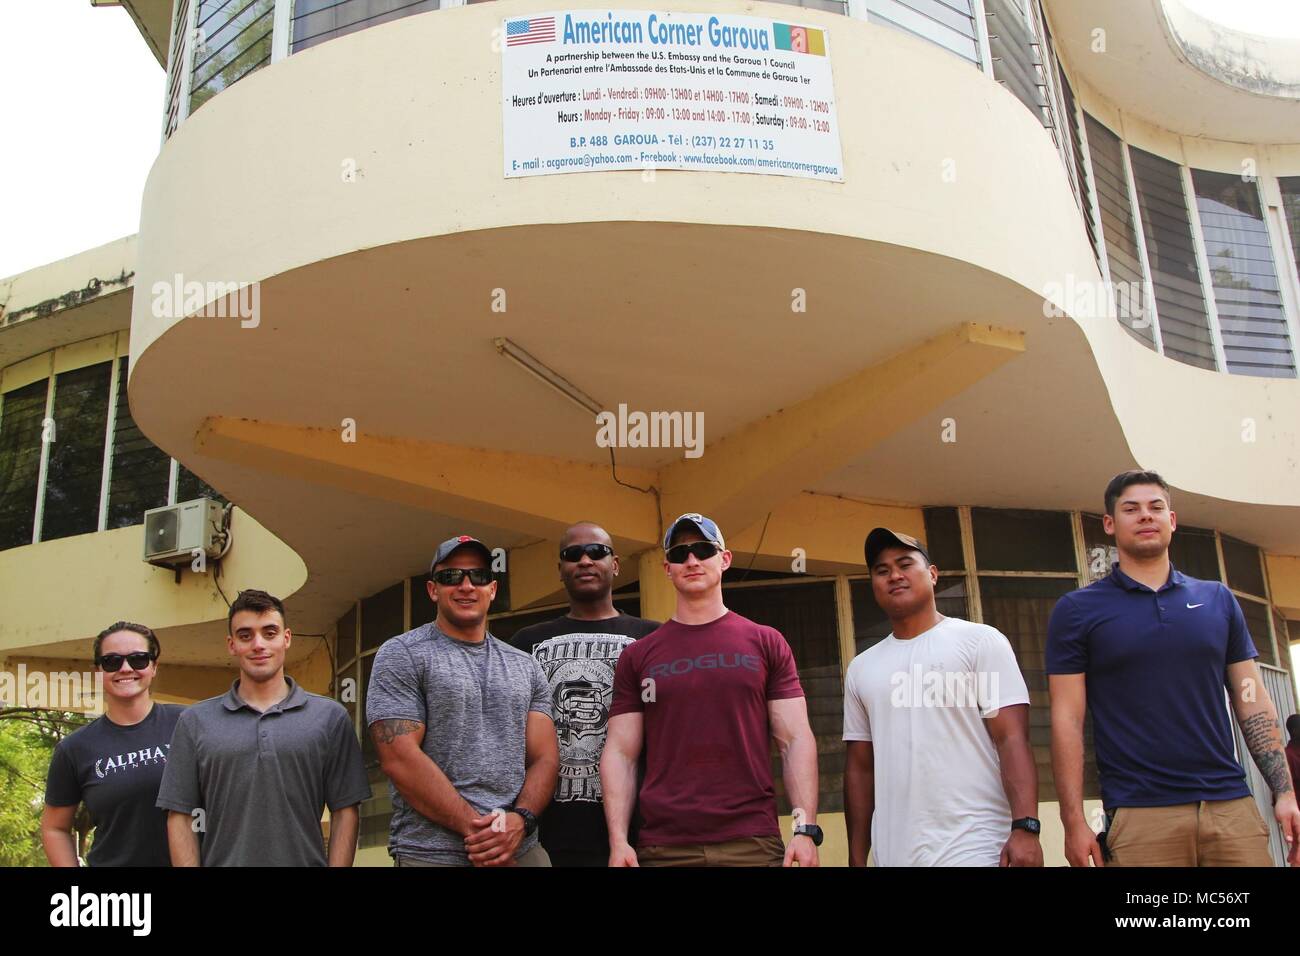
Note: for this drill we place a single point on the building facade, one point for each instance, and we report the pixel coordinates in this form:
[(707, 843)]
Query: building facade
[(1065, 242)]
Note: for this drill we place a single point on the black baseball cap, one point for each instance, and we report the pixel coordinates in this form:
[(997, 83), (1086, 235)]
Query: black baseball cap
[(453, 544), (882, 538)]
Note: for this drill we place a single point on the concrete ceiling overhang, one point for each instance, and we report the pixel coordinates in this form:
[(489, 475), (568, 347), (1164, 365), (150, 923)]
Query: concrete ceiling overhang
[(377, 302), (1180, 72), (153, 18), (70, 300), (398, 340)]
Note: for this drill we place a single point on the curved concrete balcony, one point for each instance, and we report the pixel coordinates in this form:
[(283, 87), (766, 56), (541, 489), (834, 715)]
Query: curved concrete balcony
[(923, 274), (1167, 64)]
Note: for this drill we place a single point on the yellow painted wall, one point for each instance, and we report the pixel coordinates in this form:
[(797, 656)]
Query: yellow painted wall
[(71, 588), (1284, 583), (315, 672)]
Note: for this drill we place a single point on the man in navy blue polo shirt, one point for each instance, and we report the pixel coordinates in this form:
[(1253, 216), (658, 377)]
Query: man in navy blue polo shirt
[(1150, 651)]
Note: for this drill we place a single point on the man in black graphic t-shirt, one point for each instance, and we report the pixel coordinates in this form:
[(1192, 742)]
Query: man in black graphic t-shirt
[(577, 653)]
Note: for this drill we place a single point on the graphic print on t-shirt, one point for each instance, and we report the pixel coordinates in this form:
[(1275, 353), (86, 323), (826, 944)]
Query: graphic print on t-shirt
[(580, 669), (129, 761)]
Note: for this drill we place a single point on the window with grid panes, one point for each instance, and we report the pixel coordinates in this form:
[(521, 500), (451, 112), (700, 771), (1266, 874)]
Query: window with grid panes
[(22, 412), (75, 470)]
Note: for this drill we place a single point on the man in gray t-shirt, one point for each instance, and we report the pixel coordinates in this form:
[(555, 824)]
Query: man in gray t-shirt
[(462, 724)]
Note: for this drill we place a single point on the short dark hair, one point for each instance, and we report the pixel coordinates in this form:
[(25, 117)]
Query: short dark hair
[(154, 647), (1293, 726), (254, 600), (1126, 479)]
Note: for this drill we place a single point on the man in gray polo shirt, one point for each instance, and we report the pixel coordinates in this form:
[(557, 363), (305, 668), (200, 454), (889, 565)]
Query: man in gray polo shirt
[(462, 724), (251, 771)]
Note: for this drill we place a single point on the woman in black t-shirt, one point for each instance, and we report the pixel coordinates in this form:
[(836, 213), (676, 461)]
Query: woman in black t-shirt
[(115, 763)]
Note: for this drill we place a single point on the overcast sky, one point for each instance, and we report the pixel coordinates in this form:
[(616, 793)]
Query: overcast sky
[(81, 98)]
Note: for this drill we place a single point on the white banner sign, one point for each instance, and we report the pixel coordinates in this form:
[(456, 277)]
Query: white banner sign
[(588, 90)]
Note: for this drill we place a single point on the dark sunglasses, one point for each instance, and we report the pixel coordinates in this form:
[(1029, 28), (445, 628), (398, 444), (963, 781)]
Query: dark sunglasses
[(703, 550), (574, 552), (453, 576), (138, 661)]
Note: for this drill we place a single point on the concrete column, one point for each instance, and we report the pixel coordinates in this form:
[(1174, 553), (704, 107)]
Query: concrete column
[(658, 599)]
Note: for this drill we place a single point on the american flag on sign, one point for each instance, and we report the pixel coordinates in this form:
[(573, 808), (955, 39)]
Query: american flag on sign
[(537, 30)]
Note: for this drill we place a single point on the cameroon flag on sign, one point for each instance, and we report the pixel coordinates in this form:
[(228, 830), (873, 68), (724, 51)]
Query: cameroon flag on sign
[(799, 39)]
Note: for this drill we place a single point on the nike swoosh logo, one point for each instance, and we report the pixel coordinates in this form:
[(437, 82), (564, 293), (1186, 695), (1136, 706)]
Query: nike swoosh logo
[(1191, 606)]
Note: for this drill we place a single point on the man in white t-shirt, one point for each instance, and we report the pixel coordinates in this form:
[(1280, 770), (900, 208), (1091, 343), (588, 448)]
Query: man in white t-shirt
[(938, 769)]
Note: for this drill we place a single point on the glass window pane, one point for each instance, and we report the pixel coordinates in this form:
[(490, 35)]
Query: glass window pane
[(830, 6), (368, 752), (943, 539), (1193, 552), (1256, 614), (1247, 295), (1076, 155), (176, 57), (1099, 547), (946, 23), (315, 21), (1290, 186), (381, 617), (1118, 230), (347, 638), (805, 615), (1175, 274), (1022, 540), (423, 610), (349, 701), (21, 413), (1283, 641), (235, 40), (1242, 562), (504, 627), (139, 470), (740, 571), (190, 486), (1015, 55), (75, 472), (1020, 608)]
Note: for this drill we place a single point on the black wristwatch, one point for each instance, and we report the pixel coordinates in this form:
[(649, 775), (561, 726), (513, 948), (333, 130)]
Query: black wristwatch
[(811, 830), (530, 821), (1028, 824)]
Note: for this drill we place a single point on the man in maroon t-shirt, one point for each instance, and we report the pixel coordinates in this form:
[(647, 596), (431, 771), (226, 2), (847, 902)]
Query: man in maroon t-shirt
[(702, 695)]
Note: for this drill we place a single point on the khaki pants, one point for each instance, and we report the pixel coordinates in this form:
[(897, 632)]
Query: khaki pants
[(534, 857), (748, 851), (1209, 833)]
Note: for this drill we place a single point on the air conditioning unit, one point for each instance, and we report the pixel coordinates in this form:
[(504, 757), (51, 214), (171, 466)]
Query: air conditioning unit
[(174, 533)]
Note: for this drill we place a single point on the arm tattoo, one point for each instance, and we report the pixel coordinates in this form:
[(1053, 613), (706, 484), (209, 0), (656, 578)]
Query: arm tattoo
[(386, 731), (1261, 733)]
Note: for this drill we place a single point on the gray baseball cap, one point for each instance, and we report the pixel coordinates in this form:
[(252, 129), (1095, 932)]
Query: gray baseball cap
[(460, 541), (707, 528)]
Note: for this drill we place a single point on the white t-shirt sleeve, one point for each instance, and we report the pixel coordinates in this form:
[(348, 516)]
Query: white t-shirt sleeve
[(857, 725), (999, 682)]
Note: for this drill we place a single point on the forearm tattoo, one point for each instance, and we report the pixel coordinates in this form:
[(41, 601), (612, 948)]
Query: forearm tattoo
[(386, 731), (1262, 739)]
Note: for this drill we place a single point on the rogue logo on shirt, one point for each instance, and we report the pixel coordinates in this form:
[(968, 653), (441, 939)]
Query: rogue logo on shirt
[(136, 758), (684, 665)]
